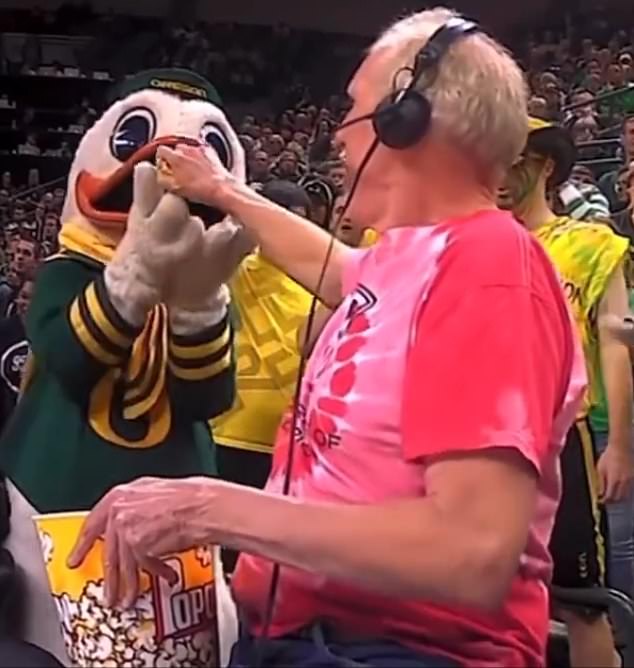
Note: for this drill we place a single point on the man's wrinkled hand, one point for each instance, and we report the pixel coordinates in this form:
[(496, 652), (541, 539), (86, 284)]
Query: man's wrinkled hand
[(138, 531), (198, 175), (615, 469)]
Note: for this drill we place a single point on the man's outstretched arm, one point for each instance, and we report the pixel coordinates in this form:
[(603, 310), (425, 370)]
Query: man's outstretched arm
[(298, 247)]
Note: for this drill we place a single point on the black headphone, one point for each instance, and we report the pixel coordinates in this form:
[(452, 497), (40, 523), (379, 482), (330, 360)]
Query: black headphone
[(403, 118)]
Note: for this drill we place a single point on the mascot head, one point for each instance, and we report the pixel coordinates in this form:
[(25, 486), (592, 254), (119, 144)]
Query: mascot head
[(151, 109)]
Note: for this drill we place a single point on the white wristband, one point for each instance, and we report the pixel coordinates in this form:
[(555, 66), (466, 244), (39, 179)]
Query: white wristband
[(185, 322)]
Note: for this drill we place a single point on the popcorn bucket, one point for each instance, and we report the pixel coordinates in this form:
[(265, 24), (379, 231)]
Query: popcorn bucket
[(192, 623)]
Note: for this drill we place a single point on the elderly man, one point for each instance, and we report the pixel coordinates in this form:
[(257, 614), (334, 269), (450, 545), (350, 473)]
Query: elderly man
[(423, 479)]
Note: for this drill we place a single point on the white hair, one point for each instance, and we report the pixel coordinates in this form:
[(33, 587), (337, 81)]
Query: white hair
[(478, 93)]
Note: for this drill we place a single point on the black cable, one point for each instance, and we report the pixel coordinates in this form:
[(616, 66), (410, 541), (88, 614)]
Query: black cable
[(275, 577)]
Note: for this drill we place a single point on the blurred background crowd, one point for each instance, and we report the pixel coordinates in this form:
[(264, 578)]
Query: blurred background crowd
[(284, 90)]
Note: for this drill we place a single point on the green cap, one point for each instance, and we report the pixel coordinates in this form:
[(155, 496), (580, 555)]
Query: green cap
[(180, 82)]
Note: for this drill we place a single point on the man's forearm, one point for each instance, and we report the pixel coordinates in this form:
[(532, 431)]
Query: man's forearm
[(617, 380), (296, 246), (406, 548), (615, 362), (620, 328)]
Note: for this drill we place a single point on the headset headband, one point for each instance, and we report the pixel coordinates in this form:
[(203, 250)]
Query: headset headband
[(430, 55), (427, 61)]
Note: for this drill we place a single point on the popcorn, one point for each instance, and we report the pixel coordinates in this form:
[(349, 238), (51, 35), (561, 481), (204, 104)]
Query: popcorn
[(164, 173), (104, 637), (47, 546), (170, 625), (205, 556)]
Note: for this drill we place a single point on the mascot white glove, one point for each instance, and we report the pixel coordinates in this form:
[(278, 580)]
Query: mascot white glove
[(196, 293), (155, 241)]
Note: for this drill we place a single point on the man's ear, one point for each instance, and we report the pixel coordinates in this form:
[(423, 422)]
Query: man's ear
[(548, 169)]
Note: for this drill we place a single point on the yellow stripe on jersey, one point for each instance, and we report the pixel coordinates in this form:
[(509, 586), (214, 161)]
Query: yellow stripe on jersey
[(99, 328), (587, 446), (203, 372), (139, 382), (202, 350), (85, 330), (202, 356), (99, 316), (586, 255), (103, 420), (144, 389)]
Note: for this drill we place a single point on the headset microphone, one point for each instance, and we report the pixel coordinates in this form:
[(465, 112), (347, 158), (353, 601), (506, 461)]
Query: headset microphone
[(354, 121)]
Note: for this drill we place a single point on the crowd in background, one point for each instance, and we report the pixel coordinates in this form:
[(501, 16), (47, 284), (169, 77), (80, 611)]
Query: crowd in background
[(573, 73)]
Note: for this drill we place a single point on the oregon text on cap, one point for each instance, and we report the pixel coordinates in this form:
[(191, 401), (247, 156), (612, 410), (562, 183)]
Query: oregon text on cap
[(179, 86)]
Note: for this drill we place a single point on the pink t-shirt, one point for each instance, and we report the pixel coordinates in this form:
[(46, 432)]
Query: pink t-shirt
[(453, 337)]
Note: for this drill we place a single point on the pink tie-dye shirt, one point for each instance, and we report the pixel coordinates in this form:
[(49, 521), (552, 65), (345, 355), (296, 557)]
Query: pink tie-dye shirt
[(454, 337)]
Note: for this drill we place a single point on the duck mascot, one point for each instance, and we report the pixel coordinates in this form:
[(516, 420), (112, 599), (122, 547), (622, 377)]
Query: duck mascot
[(129, 328)]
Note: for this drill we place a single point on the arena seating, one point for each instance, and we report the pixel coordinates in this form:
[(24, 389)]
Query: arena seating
[(617, 605), (275, 88)]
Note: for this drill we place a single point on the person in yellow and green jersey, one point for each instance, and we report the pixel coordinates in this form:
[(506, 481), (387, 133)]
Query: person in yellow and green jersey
[(268, 309), (621, 513), (589, 257)]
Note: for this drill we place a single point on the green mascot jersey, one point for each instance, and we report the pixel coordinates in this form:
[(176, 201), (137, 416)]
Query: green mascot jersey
[(89, 419)]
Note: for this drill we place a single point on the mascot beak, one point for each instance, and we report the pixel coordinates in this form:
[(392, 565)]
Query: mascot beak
[(106, 201)]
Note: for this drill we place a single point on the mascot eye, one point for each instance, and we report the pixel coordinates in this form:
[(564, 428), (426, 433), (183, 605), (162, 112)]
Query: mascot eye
[(134, 130), (212, 135)]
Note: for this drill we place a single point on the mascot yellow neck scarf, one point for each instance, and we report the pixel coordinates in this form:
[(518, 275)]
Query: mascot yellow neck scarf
[(146, 369)]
